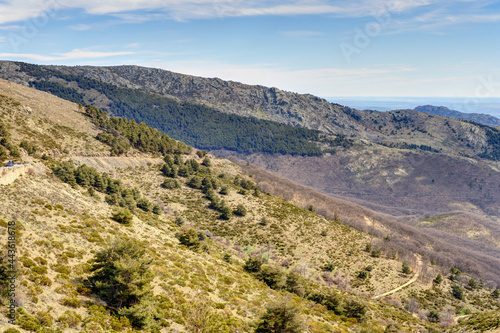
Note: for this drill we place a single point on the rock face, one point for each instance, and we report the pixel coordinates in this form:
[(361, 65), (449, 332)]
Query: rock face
[(481, 118), (9, 175)]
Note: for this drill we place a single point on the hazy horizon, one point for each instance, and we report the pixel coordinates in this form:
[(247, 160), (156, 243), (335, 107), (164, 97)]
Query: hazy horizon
[(489, 106)]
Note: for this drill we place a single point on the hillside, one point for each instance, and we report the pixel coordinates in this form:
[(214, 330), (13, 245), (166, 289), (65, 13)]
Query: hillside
[(397, 143), (480, 118), (209, 250)]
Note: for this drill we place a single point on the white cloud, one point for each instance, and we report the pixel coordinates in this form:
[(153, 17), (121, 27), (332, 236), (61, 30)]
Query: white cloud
[(81, 27), (19, 10), (74, 54), (3, 39)]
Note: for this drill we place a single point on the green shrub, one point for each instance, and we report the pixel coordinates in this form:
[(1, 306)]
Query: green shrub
[(45, 318), (354, 309), (27, 322), (253, 265), (63, 269), (433, 316), (69, 319), (30, 148), (179, 221), (27, 262), (144, 204), (41, 261), (225, 211), (272, 276), (11, 330), (39, 270), (201, 153), (281, 317), (73, 302), (157, 209), (457, 292), (189, 237), (438, 279), (363, 275), (170, 184), (405, 268), (224, 190), (240, 210), (194, 182), (472, 284), (123, 216)]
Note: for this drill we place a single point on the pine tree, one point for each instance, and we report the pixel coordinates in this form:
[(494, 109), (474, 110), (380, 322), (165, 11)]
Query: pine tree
[(121, 274)]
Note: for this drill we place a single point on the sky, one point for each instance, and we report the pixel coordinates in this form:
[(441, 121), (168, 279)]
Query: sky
[(378, 48)]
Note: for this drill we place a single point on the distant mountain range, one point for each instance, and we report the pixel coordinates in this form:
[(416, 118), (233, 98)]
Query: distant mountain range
[(480, 118)]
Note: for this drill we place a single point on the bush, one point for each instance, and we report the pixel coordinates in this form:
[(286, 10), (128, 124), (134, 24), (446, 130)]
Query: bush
[(69, 319), (157, 209), (363, 275), (27, 322), (179, 221), (170, 184), (240, 210), (354, 309), (121, 274), (281, 317), (224, 190), (73, 302), (201, 153), (438, 279), (472, 284), (11, 330), (405, 268), (144, 204), (123, 216), (225, 211), (253, 265), (194, 182), (457, 292), (495, 293), (433, 316), (272, 276), (189, 237)]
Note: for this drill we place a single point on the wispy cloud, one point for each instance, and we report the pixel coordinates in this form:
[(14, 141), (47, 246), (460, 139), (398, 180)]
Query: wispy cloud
[(412, 15), (73, 54), (18, 10), (81, 27), (3, 39)]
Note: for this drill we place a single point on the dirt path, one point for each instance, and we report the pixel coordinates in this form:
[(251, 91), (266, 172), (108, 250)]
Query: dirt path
[(413, 279)]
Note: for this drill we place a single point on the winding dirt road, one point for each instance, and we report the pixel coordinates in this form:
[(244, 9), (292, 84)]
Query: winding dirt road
[(413, 279)]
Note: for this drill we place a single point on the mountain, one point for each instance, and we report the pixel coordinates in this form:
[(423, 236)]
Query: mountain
[(206, 249), (400, 161), (480, 118)]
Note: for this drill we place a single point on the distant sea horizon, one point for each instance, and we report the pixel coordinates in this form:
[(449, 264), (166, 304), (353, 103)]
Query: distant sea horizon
[(489, 106)]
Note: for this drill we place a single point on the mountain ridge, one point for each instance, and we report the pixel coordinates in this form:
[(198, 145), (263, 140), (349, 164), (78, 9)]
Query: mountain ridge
[(481, 118)]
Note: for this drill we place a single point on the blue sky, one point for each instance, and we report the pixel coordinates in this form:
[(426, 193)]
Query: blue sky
[(326, 48)]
